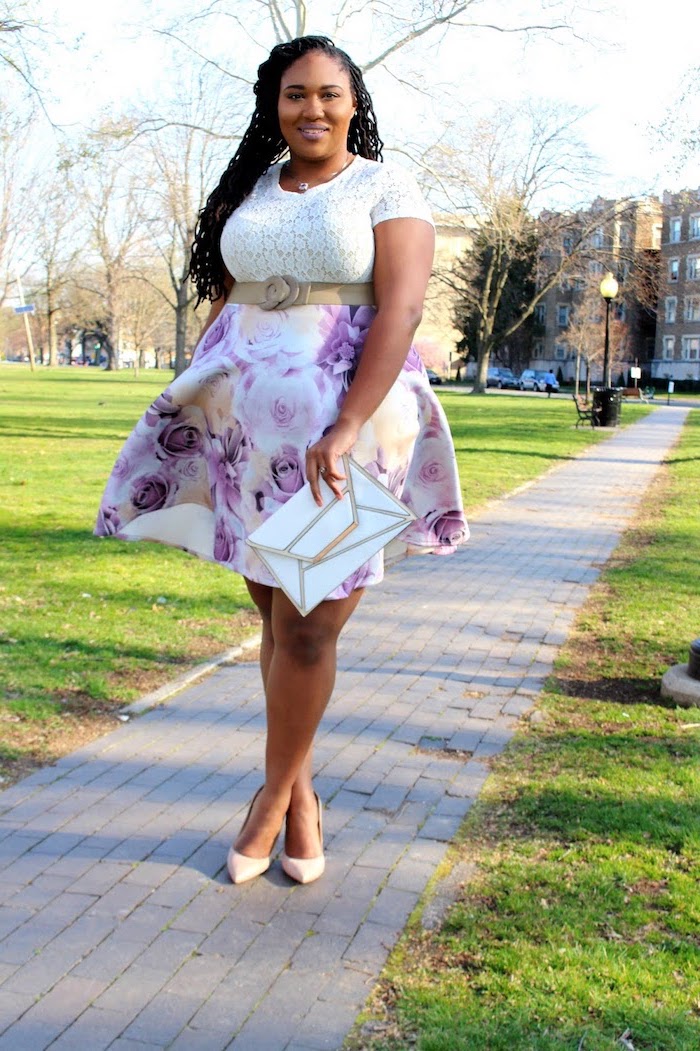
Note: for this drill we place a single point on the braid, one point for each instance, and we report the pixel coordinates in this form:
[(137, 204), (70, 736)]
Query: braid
[(261, 146)]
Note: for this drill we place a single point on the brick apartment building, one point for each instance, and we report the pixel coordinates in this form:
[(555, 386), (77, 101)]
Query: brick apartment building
[(677, 350), (623, 237)]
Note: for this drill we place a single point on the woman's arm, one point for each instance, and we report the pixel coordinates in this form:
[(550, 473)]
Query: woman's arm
[(403, 261)]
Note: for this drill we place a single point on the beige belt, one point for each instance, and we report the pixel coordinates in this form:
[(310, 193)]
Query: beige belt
[(281, 291)]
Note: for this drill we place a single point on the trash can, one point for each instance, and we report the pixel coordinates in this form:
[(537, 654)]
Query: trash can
[(606, 406)]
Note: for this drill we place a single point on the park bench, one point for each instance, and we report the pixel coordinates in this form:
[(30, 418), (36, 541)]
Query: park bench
[(635, 392), (586, 412)]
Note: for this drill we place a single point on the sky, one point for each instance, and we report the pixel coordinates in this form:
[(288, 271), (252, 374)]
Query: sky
[(627, 72)]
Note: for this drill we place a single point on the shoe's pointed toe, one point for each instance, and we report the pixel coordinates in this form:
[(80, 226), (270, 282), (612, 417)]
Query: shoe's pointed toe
[(241, 868), (304, 870)]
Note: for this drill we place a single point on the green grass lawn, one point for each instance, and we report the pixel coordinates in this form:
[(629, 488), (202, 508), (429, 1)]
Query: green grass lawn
[(85, 623), (581, 925), (504, 441)]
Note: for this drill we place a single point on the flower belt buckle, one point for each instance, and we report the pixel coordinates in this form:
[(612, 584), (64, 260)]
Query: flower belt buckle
[(281, 291)]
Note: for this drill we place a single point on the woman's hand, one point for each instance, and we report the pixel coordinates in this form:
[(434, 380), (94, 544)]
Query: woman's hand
[(322, 458)]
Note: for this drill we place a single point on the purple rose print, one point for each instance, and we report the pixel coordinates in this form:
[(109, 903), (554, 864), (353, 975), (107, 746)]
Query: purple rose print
[(413, 361), (181, 438), (345, 334), (150, 492), (122, 467), (108, 521), (393, 479), (449, 527), (214, 335), (162, 408), (229, 456), (287, 473), (432, 472), (225, 542)]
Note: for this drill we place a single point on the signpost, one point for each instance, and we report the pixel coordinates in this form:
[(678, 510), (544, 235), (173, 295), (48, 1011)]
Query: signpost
[(26, 309)]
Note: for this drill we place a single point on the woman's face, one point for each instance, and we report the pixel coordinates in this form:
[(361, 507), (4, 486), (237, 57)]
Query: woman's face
[(315, 107)]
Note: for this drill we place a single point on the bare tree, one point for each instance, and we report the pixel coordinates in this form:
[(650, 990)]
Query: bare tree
[(56, 247), (184, 161), (110, 192), (493, 182), (680, 128), (395, 28), (18, 30), (15, 189), (147, 319)]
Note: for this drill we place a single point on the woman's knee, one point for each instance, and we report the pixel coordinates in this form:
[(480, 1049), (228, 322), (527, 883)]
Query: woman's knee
[(305, 642)]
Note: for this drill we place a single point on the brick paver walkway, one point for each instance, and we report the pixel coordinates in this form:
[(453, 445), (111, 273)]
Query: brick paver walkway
[(119, 928)]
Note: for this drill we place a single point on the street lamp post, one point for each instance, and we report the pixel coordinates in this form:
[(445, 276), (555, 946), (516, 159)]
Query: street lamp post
[(608, 290)]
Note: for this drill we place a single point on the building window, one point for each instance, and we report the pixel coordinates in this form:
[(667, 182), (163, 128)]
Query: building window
[(563, 315), (669, 344), (579, 284), (541, 313), (656, 235), (565, 285), (560, 351), (692, 308), (597, 238), (695, 226), (538, 350), (620, 312), (673, 265), (693, 267), (674, 229), (595, 267), (567, 243), (625, 235), (670, 311), (691, 348)]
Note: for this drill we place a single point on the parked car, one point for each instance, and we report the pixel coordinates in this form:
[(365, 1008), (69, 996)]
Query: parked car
[(498, 377), (534, 379), (433, 379)]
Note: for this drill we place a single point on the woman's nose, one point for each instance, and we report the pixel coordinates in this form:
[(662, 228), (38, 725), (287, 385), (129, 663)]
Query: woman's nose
[(313, 107)]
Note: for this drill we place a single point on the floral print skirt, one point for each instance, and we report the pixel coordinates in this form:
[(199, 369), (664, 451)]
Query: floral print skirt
[(224, 446)]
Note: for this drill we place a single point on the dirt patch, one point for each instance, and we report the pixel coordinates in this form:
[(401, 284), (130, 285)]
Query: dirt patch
[(28, 744)]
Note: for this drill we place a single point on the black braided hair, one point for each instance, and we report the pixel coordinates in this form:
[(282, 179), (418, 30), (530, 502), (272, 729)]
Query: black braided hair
[(262, 145)]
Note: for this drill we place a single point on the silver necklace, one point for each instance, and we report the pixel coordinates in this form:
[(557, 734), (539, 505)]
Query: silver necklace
[(302, 187)]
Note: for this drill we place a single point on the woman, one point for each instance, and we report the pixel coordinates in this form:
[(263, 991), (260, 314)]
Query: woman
[(276, 396)]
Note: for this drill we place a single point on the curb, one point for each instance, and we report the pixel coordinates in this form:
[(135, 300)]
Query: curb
[(200, 671)]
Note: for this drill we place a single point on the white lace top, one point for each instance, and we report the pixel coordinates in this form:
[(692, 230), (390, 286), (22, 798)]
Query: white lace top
[(325, 234)]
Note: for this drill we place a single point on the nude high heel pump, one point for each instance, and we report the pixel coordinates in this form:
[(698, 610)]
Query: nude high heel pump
[(306, 870), (240, 867)]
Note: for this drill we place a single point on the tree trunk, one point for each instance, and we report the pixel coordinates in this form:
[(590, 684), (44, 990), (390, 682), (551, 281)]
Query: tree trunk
[(482, 369), (51, 311), (183, 296)]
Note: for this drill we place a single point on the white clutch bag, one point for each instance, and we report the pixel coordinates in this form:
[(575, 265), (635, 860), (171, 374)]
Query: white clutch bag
[(310, 550)]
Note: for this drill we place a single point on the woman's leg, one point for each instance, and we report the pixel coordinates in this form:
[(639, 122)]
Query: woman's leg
[(298, 663)]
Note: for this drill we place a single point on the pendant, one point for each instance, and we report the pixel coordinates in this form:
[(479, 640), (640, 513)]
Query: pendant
[(302, 187)]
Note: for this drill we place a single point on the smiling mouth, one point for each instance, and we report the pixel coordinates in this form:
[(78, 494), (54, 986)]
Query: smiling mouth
[(312, 132)]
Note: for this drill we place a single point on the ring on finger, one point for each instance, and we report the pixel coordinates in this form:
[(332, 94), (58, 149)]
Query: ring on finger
[(322, 470)]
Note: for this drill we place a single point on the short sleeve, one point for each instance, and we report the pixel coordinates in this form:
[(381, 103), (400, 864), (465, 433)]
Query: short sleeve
[(400, 197)]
